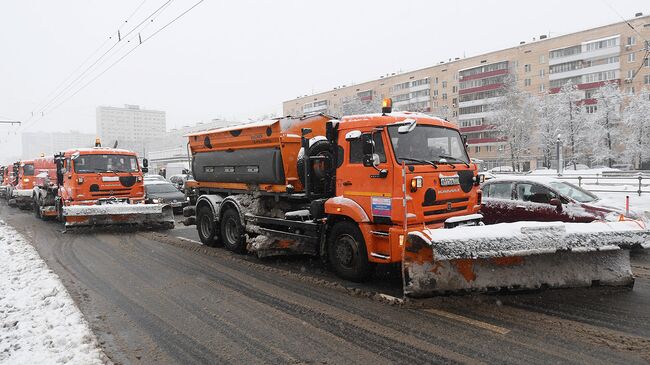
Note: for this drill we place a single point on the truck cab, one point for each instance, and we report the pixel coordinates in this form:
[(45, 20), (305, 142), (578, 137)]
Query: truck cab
[(378, 155), (91, 174), (21, 193)]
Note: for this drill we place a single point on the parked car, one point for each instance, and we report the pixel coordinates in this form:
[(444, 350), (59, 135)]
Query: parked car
[(539, 198), (179, 180), (154, 178), (164, 192)]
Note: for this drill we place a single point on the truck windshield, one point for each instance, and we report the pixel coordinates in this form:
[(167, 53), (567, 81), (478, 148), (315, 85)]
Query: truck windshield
[(428, 143), (105, 163), (28, 170)]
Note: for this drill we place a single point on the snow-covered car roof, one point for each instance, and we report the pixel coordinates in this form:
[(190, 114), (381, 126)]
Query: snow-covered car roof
[(527, 178), (157, 182)]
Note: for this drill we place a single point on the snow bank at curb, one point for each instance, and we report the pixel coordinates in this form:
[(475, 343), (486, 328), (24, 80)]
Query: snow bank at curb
[(39, 322)]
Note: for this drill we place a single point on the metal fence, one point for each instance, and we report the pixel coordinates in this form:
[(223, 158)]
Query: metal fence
[(640, 180)]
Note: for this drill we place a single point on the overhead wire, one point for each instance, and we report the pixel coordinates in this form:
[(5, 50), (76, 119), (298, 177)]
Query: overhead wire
[(79, 77), (125, 55)]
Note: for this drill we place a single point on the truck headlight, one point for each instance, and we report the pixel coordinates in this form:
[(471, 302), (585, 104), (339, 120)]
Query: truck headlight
[(25, 180), (416, 183), (155, 201), (80, 180)]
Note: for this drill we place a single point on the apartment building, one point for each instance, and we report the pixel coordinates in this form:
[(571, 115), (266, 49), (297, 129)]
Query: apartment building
[(461, 90), (133, 128)]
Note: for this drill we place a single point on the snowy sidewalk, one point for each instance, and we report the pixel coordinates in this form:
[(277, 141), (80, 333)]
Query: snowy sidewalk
[(39, 322)]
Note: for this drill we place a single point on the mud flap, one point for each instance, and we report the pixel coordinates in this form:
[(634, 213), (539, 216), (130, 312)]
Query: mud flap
[(110, 214), (521, 255)]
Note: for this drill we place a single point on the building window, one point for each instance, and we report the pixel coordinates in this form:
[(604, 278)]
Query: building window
[(542, 59), (646, 62), (631, 41), (646, 79), (631, 57), (541, 73), (444, 84), (527, 67), (527, 82), (590, 109), (541, 88), (630, 74), (454, 89), (477, 149), (444, 96)]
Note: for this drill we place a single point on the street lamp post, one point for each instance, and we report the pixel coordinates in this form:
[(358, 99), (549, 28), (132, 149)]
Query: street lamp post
[(558, 154)]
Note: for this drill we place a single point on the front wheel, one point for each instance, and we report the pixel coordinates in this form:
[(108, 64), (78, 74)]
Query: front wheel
[(232, 231), (207, 227), (347, 252)]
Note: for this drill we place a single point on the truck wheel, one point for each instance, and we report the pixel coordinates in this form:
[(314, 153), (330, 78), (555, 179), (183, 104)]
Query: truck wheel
[(347, 252), (207, 227), (232, 231)]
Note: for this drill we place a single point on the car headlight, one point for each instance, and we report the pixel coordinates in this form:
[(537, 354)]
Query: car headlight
[(155, 201), (187, 198)]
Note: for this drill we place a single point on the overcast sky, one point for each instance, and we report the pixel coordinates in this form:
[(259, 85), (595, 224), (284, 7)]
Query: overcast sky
[(240, 59)]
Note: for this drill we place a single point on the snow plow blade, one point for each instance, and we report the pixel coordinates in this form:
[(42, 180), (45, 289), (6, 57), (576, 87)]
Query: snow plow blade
[(111, 214), (522, 255)]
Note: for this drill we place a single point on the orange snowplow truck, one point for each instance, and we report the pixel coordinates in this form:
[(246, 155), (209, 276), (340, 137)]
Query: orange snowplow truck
[(365, 190), (97, 186), (20, 194), (6, 180)]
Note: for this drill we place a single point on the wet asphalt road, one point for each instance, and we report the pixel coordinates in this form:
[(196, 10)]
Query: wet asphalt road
[(154, 298)]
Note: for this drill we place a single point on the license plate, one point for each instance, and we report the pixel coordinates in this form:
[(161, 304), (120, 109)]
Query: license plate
[(449, 180)]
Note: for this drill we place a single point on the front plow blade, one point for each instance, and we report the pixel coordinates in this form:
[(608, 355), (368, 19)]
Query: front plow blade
[(522, 255), (110, 214)]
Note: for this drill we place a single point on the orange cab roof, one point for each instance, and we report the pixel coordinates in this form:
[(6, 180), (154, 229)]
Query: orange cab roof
[(98, 151), (378, 119)]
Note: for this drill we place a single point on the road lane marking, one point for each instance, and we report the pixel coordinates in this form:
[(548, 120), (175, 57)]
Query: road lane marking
[(187, 240), (470, 321)]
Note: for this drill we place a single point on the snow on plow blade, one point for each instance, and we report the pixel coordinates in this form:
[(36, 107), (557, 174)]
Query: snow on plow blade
[(522, 255), (108, 214)]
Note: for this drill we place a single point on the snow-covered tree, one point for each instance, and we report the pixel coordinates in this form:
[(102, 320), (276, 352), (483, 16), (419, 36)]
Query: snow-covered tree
[(636, 119), (604, 126), (548, 127), (570, 116), (513, 115), (355, 105)]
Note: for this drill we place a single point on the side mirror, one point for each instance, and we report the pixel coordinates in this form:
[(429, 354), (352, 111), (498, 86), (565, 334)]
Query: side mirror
[(408, 126), (368, 147), (464, 138), (371, 160), (145, 165), (352, 135), (556, 203)]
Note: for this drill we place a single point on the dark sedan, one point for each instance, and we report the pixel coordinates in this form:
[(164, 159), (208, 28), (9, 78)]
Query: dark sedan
[(164, 192), (512, 199)]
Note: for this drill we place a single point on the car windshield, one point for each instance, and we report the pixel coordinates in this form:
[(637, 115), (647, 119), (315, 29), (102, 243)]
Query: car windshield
[(105, 163), (573, 192), (28, 170), (428, 143), (161, 188)]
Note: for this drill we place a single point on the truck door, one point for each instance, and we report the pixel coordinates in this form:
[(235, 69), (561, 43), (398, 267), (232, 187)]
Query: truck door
[(365, 185)]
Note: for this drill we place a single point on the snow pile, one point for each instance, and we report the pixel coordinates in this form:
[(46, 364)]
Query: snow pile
[(39, 322), (530, 238), (112, 209)]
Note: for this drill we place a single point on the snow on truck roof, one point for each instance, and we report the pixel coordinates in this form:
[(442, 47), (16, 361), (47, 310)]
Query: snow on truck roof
[(348, 121), (98, 150)]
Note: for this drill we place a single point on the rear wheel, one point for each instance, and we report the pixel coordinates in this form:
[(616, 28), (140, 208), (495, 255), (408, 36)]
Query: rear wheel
[(207, 226), (347, 252), (232, 231)]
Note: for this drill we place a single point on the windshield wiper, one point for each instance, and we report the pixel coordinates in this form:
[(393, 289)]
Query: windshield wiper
[(453, 159), (432, 163)]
